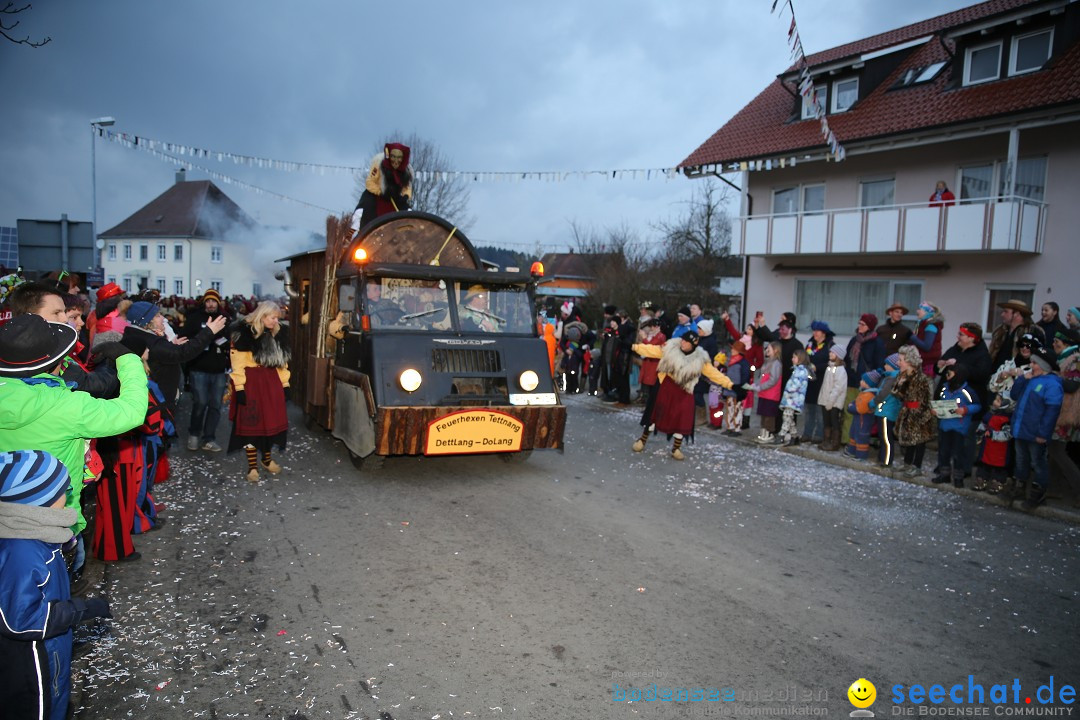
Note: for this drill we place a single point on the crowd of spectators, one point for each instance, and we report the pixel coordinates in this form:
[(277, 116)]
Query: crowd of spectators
[(89, 384), (1000, 408)]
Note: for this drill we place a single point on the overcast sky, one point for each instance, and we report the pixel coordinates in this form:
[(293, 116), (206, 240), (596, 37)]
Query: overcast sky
[(497, 86)]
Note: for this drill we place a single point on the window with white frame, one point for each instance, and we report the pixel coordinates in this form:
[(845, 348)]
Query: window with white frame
[(215, 253), (144, 252), (216, 285), (127, 284), (1004, 293), (1031, 51), (160, 283), (808, 102), (785, 201), (841, 302), (110, 279), (813, 199), (178, 286), (112, 251), (1030, 178), (178, 252), (976, 182), (162, 252), (982, 63), (127, 251), (877, 193), (844, 94)]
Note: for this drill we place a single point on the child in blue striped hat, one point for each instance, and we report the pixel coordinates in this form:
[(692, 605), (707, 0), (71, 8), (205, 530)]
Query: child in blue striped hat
[(37, 612)]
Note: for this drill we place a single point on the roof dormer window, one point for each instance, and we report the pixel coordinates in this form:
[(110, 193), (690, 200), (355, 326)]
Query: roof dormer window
[(808, 102), (844, 94), (982, 63), (1031, 51)]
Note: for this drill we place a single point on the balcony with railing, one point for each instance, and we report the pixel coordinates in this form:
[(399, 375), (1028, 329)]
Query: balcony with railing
[(1008, 224)]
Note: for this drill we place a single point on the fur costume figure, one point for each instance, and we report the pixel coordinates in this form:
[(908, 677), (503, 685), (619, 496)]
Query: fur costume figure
[(388, 187), (260, 380), (915, 425), (682, 362)]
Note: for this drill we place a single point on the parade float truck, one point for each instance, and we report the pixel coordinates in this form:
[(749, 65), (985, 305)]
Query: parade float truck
[(404, 344)]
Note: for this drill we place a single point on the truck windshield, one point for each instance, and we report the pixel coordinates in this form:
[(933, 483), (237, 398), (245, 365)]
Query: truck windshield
[(494, 308), (414, 304)]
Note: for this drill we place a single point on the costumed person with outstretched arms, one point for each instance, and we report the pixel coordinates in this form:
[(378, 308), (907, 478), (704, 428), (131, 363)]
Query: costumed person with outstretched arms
[(682, 362)]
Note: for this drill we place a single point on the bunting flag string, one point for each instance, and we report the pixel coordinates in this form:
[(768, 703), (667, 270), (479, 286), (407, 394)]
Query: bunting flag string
[(806, 83), (167, 149), (128, 142)]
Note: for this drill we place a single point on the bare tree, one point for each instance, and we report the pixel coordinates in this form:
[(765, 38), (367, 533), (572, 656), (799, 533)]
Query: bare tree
[(437, 191), (10, 10), (620, 264), (705, 230), (697, 246)]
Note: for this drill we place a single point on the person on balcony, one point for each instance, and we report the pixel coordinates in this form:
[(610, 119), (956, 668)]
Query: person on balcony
[(942, 196)]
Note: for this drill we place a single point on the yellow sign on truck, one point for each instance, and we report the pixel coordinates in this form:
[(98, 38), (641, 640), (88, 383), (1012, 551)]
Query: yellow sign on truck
[(473, 431)]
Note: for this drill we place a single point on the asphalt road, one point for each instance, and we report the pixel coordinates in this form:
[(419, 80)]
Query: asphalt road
[(469, 587)]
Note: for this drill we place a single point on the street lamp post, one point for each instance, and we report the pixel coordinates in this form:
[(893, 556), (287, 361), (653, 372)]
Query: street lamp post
[(96, 125)]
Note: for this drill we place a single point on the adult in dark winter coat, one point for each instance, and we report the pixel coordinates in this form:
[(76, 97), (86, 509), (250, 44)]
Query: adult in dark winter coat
[(623, 356), (388, 187), (893, 332), (207, 373), (166, 360), (865, 352), (785, 335), (1015, 324), (817, 351), (1050, 321), (970, 351)]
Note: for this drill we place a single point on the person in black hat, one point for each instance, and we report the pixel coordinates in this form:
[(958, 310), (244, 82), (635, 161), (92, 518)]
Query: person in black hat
[(683, 322), (44, 413), (682, 362), (47, 302)]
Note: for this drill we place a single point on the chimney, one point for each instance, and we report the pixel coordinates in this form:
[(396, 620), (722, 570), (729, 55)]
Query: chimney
[(181, 175)]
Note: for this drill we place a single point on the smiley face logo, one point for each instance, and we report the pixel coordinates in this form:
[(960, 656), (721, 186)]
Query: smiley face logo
[(862, 693)]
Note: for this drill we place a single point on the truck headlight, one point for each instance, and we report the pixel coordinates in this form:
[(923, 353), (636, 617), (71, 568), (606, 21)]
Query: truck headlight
[(528, 381), (410, 380)]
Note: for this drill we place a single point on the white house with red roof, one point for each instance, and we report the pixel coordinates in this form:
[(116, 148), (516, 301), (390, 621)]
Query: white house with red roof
[(187, 240), (986, 99)]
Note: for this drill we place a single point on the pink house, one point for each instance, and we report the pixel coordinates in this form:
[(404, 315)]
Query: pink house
[(986, 99)]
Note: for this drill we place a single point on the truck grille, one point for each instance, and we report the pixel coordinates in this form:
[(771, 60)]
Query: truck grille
[(465, 361)]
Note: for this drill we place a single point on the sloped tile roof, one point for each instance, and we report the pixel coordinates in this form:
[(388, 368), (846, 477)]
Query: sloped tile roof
[(764, 128), (195, 209)]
